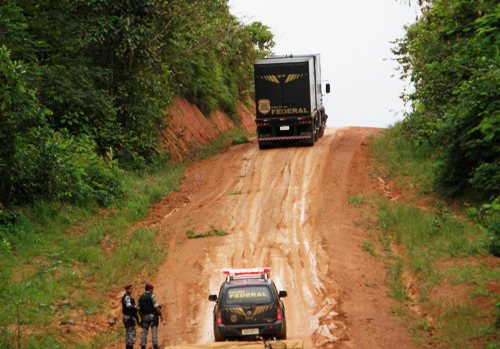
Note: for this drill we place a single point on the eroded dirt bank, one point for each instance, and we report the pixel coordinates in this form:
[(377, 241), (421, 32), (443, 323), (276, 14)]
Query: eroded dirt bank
[(285, 208)]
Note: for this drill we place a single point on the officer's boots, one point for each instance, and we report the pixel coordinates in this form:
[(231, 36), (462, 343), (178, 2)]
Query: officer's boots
[(155, 346)]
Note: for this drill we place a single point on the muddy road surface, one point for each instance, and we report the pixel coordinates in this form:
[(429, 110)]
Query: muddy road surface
[(285, 208)]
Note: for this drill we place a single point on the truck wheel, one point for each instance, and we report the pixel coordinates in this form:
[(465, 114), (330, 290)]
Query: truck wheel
[(217, 336), (311, 141), (323, 125), (282, 334)]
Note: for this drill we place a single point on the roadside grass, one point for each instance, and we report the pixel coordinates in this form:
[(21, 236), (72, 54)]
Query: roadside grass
[(466, 326), (61, 262), (367, 246), (429, 236), (214, 231), (224, 140), (397, 289), (240, 139), (58, 251), (404, 161), (356, 200), (440, 252)]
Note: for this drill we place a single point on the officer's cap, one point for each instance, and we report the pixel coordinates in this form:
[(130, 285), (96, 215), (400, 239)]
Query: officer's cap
[(148, 287)]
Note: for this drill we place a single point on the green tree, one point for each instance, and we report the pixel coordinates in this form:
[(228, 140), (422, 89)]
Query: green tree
[(20, 114), (99, 74), (452, 56)]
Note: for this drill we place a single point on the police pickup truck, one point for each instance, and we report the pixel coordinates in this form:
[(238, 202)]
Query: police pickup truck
[(248, 306)]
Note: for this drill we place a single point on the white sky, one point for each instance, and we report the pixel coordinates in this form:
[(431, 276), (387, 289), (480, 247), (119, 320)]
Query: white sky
[(353, 38)]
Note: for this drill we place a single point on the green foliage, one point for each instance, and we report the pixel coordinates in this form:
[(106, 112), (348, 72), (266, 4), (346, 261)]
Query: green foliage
[(356, 200), (453, 58), (490, 218), (49, 253), (429, 236), (214, 231), (405, 159), (436, 248), (83, 87), (212, 54), (368, 247), (224, 140), (464, 325), (139, 254), (97, 77), (240, 139), (59, 167), (20, 113), (396, 286)]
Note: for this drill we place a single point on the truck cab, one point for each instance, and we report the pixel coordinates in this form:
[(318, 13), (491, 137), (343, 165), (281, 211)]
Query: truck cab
[(289, 100)]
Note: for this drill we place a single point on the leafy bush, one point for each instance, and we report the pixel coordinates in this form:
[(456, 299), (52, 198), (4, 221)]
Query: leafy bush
[(58, 166), (452, 56)]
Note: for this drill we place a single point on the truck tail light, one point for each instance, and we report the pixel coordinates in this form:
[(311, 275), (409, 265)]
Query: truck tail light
[(219, 317), (279, 313)]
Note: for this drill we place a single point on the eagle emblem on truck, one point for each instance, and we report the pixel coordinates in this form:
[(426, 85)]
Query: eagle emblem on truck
[(285, 78)]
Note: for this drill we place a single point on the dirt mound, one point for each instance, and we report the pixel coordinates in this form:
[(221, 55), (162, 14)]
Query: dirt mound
[(188, 129)]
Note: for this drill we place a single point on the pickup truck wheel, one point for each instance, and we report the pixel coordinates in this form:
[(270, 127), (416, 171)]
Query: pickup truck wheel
[(282, 334), (217, 336)]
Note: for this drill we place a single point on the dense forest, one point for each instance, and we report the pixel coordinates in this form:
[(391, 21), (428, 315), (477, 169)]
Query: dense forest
[(84, 83), (452, 57)]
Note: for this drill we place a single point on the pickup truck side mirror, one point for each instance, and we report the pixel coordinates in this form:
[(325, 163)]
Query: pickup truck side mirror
[(282, 294), (327, 88), (212, 298)]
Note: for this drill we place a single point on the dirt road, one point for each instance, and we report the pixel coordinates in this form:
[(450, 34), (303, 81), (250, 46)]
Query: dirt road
[(285, 208)]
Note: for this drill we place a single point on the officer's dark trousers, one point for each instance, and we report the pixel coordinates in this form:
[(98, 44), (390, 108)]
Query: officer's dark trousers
[(154, 333), (129, 331)]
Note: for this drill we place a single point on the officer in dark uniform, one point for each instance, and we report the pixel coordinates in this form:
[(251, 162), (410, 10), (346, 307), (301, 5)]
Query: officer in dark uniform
[(129, 316), (150, 315)]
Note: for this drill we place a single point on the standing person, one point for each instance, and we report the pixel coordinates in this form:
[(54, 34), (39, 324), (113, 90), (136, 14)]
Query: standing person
[(129, 316), (150, 315)]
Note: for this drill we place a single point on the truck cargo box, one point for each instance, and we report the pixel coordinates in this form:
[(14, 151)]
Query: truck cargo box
[(289, 99), (285, 87)]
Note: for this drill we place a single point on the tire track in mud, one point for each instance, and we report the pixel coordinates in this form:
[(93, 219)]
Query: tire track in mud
[(273, 206), (266, 204)]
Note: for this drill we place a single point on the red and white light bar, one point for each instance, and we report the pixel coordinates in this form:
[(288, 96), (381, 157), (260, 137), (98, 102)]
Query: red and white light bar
[(246, 271)]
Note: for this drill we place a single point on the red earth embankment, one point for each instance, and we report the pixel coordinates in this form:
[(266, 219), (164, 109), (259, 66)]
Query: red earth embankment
[(188, 129)]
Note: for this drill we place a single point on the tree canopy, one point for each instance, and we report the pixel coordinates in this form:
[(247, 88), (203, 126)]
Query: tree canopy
[(84, 83), (452, 56)]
